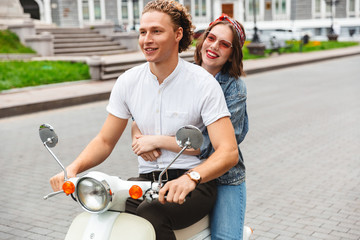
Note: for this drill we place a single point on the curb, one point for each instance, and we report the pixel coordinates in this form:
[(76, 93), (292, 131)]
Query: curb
[(52, 104)]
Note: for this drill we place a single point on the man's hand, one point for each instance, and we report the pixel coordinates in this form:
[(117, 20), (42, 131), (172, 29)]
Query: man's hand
[(152, 155), (57, 181), (177, 190)]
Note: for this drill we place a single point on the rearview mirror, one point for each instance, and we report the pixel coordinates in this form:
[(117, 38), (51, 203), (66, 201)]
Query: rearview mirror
[(48, 135), (189, 136)]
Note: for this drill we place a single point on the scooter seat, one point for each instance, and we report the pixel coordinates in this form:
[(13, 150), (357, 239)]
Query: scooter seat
[(200, 228)]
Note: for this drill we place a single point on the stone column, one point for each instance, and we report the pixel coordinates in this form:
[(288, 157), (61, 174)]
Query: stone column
[(47, 11), (23, 30), (94, 64), (43, 44)]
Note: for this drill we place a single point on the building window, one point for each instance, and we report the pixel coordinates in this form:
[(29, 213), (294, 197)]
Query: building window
[(280, 11), (97, 9), (197, 8), (322, 10), (351, 5), (136, 9), (351, 8), (328, 10), (251, 4), (259, 7), (203, 8), (91, 10), (318, 6), (85, 10), (187, 4), (124, 9)]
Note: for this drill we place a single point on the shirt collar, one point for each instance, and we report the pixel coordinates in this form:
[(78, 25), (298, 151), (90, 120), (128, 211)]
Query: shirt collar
[(172, 75)]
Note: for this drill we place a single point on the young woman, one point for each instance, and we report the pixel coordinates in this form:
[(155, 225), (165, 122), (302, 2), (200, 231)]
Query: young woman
[(219, 51)]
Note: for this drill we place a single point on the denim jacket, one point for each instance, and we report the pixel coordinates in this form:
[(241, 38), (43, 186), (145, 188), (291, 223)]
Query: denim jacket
[(235, 95)]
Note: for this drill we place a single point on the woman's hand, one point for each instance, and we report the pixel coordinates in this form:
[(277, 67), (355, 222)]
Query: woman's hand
[(145, 147), (144, 143)]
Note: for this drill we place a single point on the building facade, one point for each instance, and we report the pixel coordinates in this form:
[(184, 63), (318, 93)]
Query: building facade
[(313, 16)]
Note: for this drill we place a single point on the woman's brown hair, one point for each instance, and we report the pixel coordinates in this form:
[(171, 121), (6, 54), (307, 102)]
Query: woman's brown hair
[(234, 65), (179, 17)]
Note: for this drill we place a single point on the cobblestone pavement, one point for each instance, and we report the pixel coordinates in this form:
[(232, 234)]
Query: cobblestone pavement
[(302, 152), (302, 156)]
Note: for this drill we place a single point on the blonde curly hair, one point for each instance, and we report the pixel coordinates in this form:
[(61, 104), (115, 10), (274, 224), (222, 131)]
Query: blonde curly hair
[(179, 17)]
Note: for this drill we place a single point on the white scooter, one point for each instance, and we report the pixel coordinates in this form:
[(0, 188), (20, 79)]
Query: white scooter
[(103, 198)]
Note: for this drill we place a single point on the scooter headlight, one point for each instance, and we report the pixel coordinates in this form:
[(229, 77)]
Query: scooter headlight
[(93, 195)]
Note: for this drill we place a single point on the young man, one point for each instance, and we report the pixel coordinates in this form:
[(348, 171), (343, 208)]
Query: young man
[(163, 95)]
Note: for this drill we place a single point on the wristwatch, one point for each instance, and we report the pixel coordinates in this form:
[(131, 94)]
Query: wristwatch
[(195, 176)]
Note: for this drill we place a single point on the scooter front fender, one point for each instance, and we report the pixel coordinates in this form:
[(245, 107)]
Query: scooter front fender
[(110, 226)]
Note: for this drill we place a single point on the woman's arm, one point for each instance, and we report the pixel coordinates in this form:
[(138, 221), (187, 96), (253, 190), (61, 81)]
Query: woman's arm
[(151, 155), (148, 143)]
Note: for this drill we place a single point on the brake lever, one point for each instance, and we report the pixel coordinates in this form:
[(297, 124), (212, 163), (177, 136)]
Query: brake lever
[(52, 194)]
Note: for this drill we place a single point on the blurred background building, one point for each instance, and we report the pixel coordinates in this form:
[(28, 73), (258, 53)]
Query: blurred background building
[(315, 17)]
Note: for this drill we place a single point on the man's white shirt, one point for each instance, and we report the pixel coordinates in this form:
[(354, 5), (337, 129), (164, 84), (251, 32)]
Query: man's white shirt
[(188, 96)]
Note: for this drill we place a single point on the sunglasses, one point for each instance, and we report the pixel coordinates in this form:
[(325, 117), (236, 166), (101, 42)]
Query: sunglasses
[(223, 44)]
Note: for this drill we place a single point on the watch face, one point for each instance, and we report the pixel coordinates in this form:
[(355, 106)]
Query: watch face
[(195, 175)]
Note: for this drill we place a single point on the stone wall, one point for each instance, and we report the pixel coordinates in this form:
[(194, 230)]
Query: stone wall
[(111, 11), (68, 13), (301, 9), (340, 11)]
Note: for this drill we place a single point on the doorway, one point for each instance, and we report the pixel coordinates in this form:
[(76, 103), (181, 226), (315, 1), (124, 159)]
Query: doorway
[(228, 9), (31, 7)]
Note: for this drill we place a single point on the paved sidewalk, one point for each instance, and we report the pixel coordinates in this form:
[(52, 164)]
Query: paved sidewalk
[(33, 99)]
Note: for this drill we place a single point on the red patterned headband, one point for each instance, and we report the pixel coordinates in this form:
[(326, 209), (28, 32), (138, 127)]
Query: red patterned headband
[(236, 25)]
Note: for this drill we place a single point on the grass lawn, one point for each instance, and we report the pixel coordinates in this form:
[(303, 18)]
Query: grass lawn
[(9, 43), (18, 74), (313, 46)]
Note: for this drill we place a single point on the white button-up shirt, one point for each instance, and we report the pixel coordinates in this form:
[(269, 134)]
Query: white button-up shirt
[(188, 96)]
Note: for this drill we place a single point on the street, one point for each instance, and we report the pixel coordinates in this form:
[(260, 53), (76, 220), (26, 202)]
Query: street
[(302, 156)]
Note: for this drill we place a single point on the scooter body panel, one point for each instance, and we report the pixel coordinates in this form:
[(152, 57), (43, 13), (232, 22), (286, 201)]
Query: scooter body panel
[(110, 226)]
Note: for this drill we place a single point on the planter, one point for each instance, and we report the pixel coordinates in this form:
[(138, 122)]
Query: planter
[(332, 37), (256, 48)]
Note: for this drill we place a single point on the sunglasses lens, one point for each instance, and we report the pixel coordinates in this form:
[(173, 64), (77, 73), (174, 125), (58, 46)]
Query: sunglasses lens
[(225, 44), (211, 37), (222, 43)]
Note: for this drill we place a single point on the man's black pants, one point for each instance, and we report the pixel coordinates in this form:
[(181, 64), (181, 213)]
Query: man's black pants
[(171, 216)]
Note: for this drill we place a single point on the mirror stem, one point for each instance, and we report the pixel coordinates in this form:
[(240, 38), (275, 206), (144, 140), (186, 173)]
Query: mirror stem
[(57, 160), (187, 144)]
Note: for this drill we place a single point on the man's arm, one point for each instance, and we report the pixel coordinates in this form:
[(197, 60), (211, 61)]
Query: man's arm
[(226, 154), (95, 152), (222, 137)]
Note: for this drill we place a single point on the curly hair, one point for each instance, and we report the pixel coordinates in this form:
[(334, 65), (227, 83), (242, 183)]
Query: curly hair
[(179, 17), (234, 66)]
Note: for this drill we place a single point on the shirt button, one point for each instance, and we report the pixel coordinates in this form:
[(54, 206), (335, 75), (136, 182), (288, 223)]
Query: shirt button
[(157, 110)]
